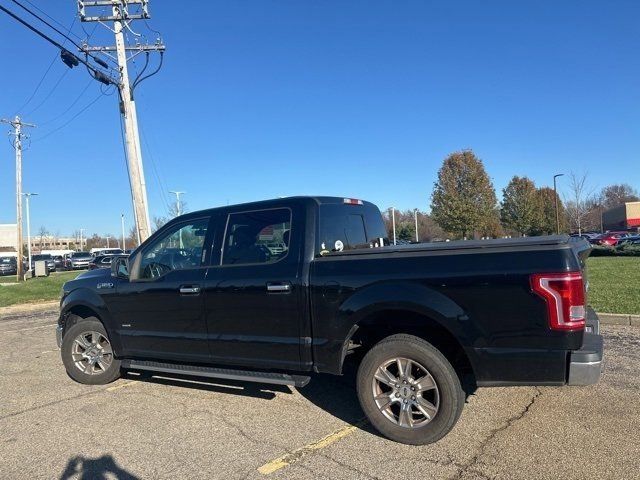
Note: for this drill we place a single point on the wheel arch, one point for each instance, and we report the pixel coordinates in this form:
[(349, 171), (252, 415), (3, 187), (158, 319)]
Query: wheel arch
[(81, 304), (411, 320)]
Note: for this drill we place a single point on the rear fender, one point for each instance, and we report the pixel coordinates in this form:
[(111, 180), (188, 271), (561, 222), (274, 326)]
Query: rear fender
[(358, 310)]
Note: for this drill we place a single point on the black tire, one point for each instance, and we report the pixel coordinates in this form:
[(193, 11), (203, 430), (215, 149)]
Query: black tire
[(450, 394), (108, 375)]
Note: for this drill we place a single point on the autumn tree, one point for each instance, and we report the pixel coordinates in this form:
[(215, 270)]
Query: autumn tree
[(521, 207), (463, 198), (547, 224)]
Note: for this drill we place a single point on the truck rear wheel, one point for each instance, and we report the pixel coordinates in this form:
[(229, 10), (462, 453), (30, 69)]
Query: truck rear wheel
[(87, 353), (409, 391)]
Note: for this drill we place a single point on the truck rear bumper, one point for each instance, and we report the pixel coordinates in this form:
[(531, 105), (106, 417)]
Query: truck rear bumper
[(586, 364)]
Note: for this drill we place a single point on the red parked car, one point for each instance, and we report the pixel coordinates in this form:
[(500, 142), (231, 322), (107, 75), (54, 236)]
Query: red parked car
[(610, 239)]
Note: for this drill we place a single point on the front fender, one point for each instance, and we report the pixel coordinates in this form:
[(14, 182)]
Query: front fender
[(88, 301)]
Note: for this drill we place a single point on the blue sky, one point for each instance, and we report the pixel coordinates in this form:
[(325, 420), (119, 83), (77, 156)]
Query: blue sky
[(260, 98)]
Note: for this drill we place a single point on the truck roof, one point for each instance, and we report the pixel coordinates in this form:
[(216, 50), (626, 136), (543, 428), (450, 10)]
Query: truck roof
[(319, 200)]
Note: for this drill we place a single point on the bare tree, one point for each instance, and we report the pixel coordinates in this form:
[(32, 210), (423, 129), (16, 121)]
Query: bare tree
[(42, 233), (577, 202)]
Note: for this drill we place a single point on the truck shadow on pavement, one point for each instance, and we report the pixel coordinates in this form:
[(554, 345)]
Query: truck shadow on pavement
[(104, 467), (335, 395)]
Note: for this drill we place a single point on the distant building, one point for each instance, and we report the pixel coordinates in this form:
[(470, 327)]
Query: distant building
[(8, 237), (622, 217), (49, 242)]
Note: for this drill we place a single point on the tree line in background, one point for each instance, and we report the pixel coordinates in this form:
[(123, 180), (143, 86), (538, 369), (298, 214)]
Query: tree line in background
[(464, 205)]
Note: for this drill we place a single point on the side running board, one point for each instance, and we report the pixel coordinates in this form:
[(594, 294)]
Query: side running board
[(210, 372)]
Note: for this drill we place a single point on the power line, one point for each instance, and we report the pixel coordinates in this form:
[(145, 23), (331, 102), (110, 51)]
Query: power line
[(70, 106), (53, 19), (53, 60), (86, 107), (64, 73), (67, 37), (69, 58)]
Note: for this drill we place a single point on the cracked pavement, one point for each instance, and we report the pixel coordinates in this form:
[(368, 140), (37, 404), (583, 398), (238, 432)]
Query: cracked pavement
[(52, 427)]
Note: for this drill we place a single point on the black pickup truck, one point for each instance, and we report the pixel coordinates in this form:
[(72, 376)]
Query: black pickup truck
[(272, 291)]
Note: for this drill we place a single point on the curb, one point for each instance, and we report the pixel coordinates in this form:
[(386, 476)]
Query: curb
[(619, 319)]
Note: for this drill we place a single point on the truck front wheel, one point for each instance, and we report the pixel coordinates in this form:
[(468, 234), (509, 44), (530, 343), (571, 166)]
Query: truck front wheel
[(409, 391), (87, 353)]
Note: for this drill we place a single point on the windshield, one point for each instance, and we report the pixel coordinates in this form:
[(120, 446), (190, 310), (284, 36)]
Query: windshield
[(41, 257), (80, 255), (7, 260)]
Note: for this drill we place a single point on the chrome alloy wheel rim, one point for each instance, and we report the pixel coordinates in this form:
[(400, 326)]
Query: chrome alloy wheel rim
[(91, 353), (405, 392)]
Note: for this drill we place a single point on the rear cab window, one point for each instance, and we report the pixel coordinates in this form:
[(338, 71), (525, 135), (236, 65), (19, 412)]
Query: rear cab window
[(349, 226)]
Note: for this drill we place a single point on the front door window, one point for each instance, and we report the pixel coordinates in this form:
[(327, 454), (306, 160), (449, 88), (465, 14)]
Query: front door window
[(180, 248)]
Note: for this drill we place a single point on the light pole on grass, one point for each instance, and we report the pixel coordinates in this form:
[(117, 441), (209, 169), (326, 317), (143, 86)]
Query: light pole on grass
[(27, 196), (555, 199), (393, 222)]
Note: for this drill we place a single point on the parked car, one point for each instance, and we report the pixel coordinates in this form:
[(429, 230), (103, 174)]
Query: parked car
[(8, 266), (101, 261), (106, 251), (59, 261), (78, 260), (610, 239), (51, 264), (589, 236), (629, 240), (425, 322)]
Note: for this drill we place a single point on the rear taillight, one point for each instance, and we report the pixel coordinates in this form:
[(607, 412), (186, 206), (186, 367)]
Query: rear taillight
[(564, 294)]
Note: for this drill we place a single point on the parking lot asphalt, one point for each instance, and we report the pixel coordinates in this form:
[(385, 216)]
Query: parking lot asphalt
[(52, 427)]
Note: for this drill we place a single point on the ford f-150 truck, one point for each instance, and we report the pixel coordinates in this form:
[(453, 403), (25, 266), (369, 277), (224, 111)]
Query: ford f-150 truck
[(274, 290)]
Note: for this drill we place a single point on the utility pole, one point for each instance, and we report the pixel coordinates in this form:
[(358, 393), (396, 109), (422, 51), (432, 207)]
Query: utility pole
[(124, 245), (555, 199), (124, 12), (415, 216), (81, 230), (17, 125), (27, 196), (108, 237)]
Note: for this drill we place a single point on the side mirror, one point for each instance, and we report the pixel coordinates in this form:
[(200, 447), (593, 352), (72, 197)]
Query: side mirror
[(120, 267)]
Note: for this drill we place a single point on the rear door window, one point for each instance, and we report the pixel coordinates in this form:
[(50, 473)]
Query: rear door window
[(255, 237)]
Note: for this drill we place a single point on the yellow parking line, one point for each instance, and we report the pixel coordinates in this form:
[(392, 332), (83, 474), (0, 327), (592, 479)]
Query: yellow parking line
[(292, 457), (122, 385)]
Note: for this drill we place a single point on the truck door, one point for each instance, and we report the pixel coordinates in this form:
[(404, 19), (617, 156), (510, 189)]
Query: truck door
[(253, 295), (159, 311)]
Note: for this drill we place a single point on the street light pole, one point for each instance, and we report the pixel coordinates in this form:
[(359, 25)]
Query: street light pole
[(81, 230), (555, 199), (27, 196), (415, 216), (108, 237), (393, 222), (178, 204), (124, 246)]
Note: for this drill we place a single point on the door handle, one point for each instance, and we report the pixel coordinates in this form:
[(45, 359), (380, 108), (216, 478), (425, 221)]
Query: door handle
[(190, 290), (279, 287)]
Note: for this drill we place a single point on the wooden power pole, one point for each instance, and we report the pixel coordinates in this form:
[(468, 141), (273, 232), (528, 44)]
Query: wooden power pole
[(123, 13), (17, 125)]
